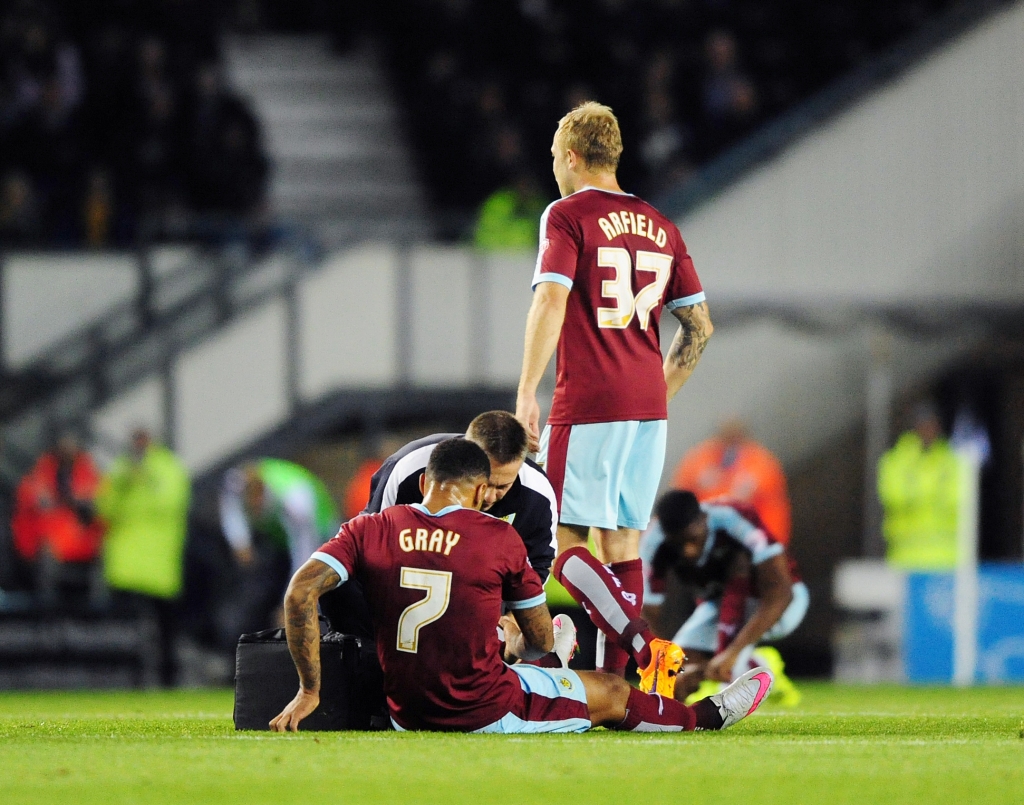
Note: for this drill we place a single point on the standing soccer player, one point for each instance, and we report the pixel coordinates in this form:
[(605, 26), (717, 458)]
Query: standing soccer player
[(608, 264)]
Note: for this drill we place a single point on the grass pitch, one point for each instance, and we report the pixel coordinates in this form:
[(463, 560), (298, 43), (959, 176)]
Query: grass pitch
[(841, 745)]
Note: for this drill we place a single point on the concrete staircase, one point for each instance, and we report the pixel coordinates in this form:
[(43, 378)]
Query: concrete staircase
[(332, 133)]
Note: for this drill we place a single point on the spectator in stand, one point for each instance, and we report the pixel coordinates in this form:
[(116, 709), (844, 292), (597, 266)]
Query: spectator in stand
[(920, 484), (157, 162), (228, 171), (732, 465), (664, 148), (19, 211), (98, 210), (728, 95), (144, 500), (54, 523)]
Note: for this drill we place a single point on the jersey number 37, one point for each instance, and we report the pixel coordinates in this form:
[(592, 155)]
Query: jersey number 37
[(620, 287)]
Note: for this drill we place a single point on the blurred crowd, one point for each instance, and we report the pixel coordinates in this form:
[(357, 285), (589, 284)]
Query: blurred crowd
[(115, 111), (126, 537), (112, 112), (485, 83)]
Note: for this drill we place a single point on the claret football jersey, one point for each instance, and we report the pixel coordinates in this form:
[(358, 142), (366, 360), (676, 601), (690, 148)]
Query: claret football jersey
[(435, 584), (623, 262)]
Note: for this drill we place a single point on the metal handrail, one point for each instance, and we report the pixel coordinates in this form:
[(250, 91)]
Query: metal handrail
[(88, 357)]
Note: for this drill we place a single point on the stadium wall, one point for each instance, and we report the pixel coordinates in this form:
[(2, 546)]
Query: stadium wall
[(914, 195)]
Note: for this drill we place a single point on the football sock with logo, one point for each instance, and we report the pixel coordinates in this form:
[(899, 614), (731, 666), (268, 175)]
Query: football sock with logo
[(649, 712), (631, 573), (600, 592), (732, 610)]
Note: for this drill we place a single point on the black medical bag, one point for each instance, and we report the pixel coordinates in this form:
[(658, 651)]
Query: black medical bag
[(351, 683)]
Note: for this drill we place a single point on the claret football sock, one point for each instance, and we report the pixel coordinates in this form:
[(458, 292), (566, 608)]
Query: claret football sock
[(610, 658), (646, 712), (732, 610), (631, 573), (605, 599)]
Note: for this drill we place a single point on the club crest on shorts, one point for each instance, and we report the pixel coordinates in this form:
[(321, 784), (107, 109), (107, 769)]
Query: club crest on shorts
[(565, 682)]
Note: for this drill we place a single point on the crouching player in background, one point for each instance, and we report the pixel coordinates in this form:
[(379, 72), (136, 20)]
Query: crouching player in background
[(436, 575), (744, 581)]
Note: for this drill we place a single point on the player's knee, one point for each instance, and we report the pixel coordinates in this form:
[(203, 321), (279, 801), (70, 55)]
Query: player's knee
[(607, 697), (571, 536)]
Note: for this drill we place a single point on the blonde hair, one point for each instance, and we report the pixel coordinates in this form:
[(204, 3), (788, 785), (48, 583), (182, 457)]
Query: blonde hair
[(592, 131)]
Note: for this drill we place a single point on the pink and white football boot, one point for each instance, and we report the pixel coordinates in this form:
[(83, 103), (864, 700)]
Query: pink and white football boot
[(565, 638), (743, 696)]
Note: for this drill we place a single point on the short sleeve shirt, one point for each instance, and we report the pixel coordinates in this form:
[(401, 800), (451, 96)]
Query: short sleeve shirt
[(732, 529), (436, 585), (623, 262)]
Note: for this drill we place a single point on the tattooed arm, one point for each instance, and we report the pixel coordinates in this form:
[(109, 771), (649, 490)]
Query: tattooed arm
[(694, 331), (302, 628), (534, 636)]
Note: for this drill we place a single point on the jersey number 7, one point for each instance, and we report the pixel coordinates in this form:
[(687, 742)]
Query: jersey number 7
[(438, 585), (620, 287)]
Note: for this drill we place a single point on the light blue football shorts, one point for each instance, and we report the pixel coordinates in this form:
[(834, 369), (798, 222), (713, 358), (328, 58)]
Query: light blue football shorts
[(553, 700), (605, 474)]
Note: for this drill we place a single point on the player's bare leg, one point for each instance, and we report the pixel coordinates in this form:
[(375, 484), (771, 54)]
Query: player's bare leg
[(613, 703)]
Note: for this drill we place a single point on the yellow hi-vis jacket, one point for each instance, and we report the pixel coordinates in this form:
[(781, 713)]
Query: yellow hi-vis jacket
[(145, 506), (921, 490)]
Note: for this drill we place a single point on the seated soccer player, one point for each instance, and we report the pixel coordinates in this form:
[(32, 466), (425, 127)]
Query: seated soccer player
[(436, 575), (745, 583)]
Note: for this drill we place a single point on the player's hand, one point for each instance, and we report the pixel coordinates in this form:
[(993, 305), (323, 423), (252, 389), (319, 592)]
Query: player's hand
[(528, 413), (719, 667), (304, 703)]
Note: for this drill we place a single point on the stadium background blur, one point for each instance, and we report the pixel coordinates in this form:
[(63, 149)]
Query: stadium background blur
[(247, 226)]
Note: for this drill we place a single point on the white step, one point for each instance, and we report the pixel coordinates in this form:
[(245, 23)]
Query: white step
[(289, 146), (333, 134), (289, 75), (300, 171), (340, 112)]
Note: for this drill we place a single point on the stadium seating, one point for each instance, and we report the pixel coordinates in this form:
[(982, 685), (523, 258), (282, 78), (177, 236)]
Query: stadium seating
[(113, 114), (484, 83)]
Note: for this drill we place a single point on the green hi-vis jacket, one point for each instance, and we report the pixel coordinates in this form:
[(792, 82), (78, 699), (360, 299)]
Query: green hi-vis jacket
[(921, 491), (282, 478), (145, 506)]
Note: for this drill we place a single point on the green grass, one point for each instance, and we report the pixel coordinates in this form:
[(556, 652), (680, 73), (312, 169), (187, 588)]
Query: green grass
[(841, 745)]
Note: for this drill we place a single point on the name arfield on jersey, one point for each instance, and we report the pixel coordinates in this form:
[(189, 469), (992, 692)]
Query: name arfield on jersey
[(625, 223), (437, 541)]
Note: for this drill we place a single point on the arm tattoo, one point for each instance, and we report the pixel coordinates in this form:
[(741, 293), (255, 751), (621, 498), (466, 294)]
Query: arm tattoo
[(302, 626), (693, 335), (535, 624)]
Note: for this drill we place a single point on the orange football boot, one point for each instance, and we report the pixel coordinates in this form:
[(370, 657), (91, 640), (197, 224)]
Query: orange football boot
[(666, 661)]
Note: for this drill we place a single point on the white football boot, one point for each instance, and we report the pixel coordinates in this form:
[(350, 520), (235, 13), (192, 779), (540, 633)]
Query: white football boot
[(565, 638), (743, 696)]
